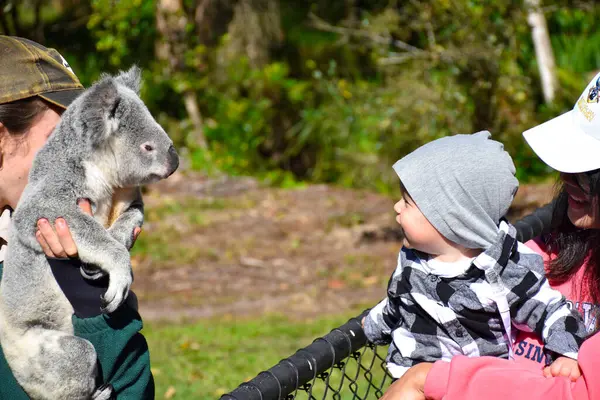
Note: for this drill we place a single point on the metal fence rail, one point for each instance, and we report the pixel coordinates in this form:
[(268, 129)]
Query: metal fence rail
[(339, 365), (342, 364)]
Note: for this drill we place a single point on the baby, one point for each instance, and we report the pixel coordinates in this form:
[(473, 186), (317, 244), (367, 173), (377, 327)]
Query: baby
[(463, 282)]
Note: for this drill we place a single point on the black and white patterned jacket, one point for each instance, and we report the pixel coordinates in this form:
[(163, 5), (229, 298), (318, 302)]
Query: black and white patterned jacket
[(428, 318)]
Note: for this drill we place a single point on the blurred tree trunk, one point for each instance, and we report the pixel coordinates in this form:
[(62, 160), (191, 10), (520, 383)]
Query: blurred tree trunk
[(38, 23), (254, 30), (352, 12), (543, 49), (171, 22)]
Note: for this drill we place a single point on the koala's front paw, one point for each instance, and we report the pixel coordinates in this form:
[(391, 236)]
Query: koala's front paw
[(118, 288)]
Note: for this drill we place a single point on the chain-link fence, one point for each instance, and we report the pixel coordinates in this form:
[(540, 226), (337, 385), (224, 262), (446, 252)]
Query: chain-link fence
[(343, 365), (340, 365)]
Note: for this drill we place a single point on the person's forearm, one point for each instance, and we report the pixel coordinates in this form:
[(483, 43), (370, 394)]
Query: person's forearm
[(375, 326), (122, 352), (83, 294), (493, 379)]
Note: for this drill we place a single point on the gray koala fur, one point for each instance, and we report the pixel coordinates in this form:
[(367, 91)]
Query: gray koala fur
[(106, 145)]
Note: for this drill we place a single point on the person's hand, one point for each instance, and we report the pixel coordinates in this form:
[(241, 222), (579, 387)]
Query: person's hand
[(563, 366), (411, 386), (57, 241)]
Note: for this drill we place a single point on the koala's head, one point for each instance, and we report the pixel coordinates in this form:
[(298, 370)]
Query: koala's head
[(125, 141)]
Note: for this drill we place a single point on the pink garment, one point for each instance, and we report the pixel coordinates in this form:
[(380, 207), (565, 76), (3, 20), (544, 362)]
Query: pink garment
[(494, 379)]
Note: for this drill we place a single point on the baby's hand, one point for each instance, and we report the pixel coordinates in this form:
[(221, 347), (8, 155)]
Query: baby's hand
[(563, 366)]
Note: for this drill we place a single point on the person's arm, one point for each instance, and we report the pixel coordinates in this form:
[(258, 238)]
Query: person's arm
[(122, 350), (536, 307), (385, 316), (544, 310), (493, 378)]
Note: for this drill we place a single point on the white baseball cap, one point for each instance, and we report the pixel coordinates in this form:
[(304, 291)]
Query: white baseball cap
[(571, 142)]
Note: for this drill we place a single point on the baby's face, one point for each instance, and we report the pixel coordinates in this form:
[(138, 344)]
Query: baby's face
[(419, 234)]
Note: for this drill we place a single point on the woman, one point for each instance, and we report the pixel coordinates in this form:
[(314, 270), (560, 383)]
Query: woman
[(570, 144), (36, 86)]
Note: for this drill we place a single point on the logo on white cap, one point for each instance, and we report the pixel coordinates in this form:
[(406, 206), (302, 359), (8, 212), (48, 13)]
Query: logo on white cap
[(588, 105), (594, 93)]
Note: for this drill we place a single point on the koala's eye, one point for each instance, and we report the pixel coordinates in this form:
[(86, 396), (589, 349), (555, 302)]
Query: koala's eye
[(148, 147)]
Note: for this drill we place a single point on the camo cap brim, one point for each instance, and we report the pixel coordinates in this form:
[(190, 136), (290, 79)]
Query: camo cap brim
[(30, 69)]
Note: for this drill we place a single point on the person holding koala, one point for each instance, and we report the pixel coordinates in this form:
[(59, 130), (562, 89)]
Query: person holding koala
[(36, 86), (464, 284)]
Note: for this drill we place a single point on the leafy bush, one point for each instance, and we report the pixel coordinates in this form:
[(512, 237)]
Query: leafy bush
[(340, 90)]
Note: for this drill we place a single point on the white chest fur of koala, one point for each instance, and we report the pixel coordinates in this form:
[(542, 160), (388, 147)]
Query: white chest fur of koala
[(106, 145)]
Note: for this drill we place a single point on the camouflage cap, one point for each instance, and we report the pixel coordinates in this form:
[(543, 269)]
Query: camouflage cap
[(29, 69)]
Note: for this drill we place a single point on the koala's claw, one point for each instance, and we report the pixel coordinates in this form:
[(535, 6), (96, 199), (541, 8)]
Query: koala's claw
[(118, 288), (104, 392), (92, 274)]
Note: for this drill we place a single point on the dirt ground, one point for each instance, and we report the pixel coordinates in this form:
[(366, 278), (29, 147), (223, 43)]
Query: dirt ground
[(229, 246)]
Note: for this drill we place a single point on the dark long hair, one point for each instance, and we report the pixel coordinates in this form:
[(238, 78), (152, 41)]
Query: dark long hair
[(574, 246), (17, 116)]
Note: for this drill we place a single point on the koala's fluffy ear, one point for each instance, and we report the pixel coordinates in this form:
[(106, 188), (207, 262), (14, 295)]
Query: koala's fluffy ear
[(132, 78), (98, 112)]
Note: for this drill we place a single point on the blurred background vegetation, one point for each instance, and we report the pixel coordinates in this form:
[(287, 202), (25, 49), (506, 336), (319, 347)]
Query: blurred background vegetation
[(324, 90)]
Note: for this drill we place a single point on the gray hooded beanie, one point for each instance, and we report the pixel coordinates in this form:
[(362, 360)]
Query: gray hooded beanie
[(463, 185)]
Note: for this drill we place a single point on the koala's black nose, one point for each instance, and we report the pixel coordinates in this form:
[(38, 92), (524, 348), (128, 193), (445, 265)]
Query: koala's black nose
[(173, 160)]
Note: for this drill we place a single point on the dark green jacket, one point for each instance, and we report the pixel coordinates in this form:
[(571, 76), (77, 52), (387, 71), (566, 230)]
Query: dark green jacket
[(122, 352)]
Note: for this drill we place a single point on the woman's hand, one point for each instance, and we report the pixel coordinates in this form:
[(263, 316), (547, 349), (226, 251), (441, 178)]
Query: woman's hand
[(57, 241), (411, 386)]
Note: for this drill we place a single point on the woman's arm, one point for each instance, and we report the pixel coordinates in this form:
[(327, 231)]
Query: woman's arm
[(493, 378), (122, 350)]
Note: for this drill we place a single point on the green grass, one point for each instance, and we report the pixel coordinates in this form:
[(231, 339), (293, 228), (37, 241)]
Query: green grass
[(209, 358)]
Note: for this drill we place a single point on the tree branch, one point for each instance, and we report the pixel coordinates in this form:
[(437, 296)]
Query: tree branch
[(576, 5), (398, 59), (431, 35), (323, 25), (200, 11)]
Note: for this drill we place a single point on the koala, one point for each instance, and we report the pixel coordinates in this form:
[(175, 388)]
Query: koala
[(106, 145)]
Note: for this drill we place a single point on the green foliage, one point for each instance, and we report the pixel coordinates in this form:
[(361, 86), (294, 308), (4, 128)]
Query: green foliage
[(124, 30), (575, 40), (338, 101)]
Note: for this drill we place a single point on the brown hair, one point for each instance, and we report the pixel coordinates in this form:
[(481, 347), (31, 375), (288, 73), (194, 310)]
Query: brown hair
[(18, 116)]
